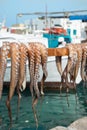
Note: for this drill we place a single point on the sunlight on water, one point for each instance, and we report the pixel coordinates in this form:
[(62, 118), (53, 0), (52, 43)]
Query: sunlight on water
[(52, 110)]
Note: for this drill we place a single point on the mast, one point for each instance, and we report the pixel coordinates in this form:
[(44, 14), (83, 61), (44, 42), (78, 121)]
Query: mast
[(46, 21)]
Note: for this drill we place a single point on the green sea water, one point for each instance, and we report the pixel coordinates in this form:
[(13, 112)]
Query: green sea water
[(52, 109)]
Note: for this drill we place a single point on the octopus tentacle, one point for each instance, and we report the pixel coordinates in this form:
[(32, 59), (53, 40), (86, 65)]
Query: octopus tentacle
[(72, 60), (4, 50), (36, 69), (79, 51), (15, 55), (22, 66), (68, 66), (37, 56), (75, 69), (58, 64), (22, 71), (33, 67), (44, 55), (84, 62), (31, 59), (70, 69), (58, 60)]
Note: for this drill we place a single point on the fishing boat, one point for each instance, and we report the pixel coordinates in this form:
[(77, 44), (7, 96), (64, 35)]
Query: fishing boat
[(51, 59), (56, 35), (12, 37)]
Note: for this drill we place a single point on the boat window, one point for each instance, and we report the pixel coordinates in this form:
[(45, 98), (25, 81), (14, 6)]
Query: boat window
[(67, 40)]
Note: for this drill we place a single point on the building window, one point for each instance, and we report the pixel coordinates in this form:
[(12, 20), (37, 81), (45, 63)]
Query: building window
[(74, 32), (68, 31)]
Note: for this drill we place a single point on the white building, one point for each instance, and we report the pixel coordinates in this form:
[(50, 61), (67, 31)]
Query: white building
[(75, 28)]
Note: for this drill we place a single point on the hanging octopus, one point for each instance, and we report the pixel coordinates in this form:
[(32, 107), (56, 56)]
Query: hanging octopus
[(71, 70), (34, 75), (18, 54), (4, 51), (71, 64), (18, 60), (37, 56), (74, 71)]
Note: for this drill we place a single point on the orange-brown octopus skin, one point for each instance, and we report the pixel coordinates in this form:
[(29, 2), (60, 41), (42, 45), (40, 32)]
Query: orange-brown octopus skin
[(22, 64), (37, 55), (44, 56), (78, 60), (59, 64), (19, 55), (34, 62), (22, 71), (4, 50), (84, 62), (31, 59), (15, 55), (75, 70), (72, 60)]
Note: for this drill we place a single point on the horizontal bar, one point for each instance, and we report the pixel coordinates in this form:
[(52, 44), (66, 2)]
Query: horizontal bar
[(57, 51), (48, 85)]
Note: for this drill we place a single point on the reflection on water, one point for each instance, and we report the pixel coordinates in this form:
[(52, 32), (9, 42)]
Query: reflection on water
[(52, 110)]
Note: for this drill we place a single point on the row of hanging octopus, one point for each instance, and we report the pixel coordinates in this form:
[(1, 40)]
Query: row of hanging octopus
[(77, 61), (36, 54)]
